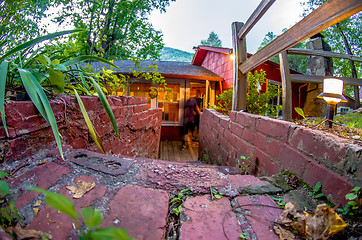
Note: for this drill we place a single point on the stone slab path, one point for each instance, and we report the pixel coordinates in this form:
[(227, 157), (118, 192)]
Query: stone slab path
[(135, 194)]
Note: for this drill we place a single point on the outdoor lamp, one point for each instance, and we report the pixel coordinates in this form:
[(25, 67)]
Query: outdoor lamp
[(332, 94)]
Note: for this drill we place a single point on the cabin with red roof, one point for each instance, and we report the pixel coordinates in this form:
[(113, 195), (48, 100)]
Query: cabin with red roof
[(210, 72)]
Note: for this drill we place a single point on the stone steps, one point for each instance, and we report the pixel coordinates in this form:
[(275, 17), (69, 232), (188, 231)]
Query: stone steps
[(137, 198)]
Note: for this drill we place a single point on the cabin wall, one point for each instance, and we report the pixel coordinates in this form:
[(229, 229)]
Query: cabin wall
[(222, 65), (139, 127), (277, 145)]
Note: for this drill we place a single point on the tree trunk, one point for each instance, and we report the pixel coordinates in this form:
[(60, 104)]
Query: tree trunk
[(353, 67)]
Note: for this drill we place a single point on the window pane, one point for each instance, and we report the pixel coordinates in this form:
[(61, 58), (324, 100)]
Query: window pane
[(169, 102)]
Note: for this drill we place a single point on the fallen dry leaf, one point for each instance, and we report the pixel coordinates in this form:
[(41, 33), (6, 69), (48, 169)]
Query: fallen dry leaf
[(38, 203), (283, 233), (321, 224), (28, 234), (36, 210), (81, 188)]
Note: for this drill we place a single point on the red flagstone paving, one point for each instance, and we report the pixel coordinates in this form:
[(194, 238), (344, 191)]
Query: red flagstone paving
[(209, 219), (138, 199)]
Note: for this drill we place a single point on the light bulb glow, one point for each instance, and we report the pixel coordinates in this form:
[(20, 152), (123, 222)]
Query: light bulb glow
[(333, 85)]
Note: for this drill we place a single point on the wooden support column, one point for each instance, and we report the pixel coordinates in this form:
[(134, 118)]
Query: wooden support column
[(239, 79), (286, 86)]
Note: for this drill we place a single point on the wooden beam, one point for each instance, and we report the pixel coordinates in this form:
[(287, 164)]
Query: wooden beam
[(240, 85), (286, 86), (323, 17), (255, 17), (321, 53), (300, 78)]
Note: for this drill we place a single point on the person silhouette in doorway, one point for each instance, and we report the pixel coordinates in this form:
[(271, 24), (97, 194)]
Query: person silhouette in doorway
[(191, 112)]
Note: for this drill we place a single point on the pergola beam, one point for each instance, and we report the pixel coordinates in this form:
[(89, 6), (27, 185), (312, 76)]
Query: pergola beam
[(323, 17), (321, 53), (255, 17), (301, 78)]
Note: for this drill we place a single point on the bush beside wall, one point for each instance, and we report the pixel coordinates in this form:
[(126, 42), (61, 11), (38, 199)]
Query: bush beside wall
[(278, 145), (139, 127)]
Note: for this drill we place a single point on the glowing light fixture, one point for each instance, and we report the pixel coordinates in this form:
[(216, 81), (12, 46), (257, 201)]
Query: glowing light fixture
[(232, 57), (332, 94)]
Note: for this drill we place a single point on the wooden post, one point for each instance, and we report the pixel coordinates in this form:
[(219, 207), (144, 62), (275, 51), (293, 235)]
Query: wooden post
[(239, 79), (286, 86)]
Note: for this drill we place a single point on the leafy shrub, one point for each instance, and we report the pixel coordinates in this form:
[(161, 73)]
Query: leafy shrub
[(257, 101), (92, 218)]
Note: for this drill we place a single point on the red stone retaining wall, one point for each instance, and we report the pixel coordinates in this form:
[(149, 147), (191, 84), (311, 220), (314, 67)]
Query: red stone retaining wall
[(139, 127), (279, 145)]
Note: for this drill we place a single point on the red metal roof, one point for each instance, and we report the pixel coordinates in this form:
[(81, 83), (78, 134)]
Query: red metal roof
[(202, 50)]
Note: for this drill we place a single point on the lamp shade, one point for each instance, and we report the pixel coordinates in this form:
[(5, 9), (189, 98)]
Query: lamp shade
[(333, 85), (332, 90)]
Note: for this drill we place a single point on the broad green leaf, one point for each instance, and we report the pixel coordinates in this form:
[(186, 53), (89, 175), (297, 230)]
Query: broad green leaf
[(317, 187), (355, 189), (110, 233), (4, 189), (106, 106), (36, 41), (32, 92), (44, 59), (319, 195), (92, 218), (351, 196), (38, 97), (58, 202), (300, 112), (56, 79), (90, 126), (86, 58), (3, 76), (3, 174)]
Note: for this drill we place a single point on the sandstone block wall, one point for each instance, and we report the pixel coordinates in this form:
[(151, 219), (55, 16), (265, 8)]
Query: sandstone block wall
[(139, 127), (277, 145)]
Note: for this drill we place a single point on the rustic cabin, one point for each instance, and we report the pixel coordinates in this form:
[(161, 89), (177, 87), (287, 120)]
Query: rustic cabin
[(211, 72)]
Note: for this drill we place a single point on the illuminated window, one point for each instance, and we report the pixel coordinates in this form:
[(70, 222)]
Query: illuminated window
[(169, 102)]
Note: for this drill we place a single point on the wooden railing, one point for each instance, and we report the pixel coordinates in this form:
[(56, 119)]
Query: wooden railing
[(330, 13)]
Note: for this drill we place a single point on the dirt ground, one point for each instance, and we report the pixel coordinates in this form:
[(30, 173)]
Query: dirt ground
[(353, 136)]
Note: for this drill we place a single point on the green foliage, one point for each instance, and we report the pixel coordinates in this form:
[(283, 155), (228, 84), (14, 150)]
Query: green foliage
[(216, 194), (300, 112), (176, 202), (20, 21), (352, 120), (350, 28), (8, 213), (213, 40), (150, 73), (316, 191), (280, 202), (296, 62), (171, 54), (92, 218), (27, 67), (90, 126), (243, 236), (244, 164), (224, 102), (354, 206), (117, 29), (257, 102)]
